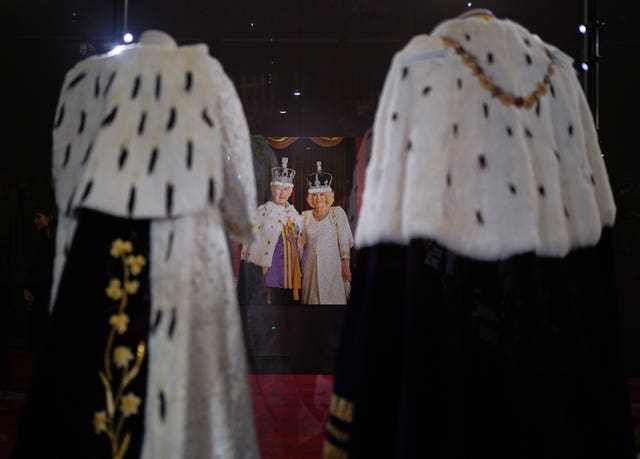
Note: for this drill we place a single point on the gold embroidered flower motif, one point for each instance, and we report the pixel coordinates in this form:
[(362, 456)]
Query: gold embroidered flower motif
[(120, 247), (135, 263), (130, 404), (111, 420), (122, 355), (114, 290), (120, 322), (100, 421), (131, 287)]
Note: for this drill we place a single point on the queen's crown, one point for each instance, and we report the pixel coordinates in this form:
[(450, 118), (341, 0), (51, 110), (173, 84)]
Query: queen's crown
[(319, 182)]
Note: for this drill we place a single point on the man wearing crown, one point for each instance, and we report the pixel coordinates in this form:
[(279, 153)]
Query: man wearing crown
[(278, 245)]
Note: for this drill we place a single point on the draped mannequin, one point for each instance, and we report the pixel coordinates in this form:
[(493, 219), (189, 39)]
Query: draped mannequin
[(157, 37), (483, 317), (152, 166)]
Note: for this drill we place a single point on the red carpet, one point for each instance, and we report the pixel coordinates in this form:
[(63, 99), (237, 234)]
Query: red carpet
[(291, 413), (290, 410)]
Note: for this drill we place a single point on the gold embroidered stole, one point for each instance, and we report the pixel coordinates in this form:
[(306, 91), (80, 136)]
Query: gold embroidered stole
[(292, 272)]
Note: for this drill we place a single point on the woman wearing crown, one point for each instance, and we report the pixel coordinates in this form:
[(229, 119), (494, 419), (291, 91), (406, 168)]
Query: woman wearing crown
[(278, 246), (326, 274)]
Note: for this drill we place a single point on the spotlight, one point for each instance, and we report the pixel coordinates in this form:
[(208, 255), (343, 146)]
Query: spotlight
[(582, 28), (128, 38)]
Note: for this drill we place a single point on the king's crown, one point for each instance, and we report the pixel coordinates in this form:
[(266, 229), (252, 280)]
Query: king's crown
[(283, 176)]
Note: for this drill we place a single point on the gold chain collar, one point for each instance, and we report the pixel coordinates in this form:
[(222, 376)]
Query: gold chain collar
[(505, 97)]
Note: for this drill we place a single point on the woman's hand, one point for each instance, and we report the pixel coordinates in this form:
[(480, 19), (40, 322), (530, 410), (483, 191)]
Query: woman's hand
[(346, 270)]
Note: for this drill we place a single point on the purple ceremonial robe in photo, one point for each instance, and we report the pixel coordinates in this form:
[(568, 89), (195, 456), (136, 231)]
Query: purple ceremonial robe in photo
[(275, 274)]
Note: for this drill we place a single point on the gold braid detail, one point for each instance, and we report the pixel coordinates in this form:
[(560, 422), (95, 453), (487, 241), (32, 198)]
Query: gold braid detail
[(505, 97), (341, 408), (337, 433), (331, 451)]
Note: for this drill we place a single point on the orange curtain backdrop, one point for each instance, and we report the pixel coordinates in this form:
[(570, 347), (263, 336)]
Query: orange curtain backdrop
[(327, 141), (280, 143), (338, 160)]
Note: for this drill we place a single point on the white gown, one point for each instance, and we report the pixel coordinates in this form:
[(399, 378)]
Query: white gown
[(158, 132), (327, 243)]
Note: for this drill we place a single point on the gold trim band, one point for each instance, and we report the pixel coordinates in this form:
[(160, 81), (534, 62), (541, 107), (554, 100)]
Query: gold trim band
[(341, 408), (331, 451), (337, 433)]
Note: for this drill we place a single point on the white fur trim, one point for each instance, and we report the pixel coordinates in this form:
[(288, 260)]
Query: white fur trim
[(321, 189), (285, 184), (152, 128), (270, 218), (452, 163)]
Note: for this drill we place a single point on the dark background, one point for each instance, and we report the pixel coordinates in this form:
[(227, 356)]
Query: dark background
[(337, 52)]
